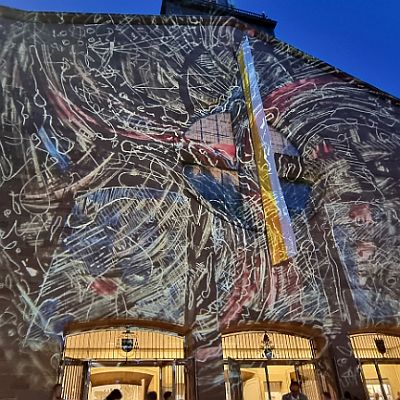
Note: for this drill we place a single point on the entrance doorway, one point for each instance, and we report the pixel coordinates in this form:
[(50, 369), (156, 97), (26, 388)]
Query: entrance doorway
[(133, 382), (382, 381), (379, 356), (261, 365), (135, 361)]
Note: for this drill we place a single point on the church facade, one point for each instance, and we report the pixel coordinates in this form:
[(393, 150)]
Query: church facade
[(189, 204)]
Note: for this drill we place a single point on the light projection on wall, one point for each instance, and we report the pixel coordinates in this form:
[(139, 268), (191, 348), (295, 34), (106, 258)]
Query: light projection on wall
[(137, 181)]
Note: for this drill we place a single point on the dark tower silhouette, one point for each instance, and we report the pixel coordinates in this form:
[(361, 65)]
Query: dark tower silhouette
[(218, 7)]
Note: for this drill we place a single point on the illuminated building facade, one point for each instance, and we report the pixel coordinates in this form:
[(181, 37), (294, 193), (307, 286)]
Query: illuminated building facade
[(190, 204)]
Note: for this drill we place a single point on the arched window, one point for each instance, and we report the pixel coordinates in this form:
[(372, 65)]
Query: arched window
[(133, 360), (379, 356), (263, 345), (109, 345), (263, 363)]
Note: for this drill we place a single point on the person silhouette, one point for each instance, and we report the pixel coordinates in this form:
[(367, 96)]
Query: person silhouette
[(294, 393), (114, 395), (151, 396)]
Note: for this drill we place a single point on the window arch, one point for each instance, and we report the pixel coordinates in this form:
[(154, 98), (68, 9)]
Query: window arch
[(379, 357), (263, 363), (108, 344), (133, 360), (259, 345), (375, 346)]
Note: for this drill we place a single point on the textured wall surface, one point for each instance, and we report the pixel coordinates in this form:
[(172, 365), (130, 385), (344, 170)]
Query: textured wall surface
[(348, 137), (112, 207)]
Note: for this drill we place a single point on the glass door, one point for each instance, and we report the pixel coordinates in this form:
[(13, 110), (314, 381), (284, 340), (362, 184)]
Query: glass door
[(135, 379), (277, 380), (173, 379), (235, 387), (269, 382), (261, 364), (309, 380), (133, 360), (382, 380)]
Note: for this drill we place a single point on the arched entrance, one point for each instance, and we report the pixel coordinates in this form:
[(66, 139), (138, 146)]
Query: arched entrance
[(379, 356), (133, 360), (259, 365)]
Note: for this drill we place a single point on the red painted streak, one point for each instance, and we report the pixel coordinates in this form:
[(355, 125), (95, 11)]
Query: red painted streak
[(103, 286)]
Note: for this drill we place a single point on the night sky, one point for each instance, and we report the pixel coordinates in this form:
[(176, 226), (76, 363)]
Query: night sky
[(360, 37)]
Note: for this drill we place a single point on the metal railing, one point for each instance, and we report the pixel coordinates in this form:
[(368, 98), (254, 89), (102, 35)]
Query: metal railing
[(230, 10), (109, 345), (266, 345), (375, 346)]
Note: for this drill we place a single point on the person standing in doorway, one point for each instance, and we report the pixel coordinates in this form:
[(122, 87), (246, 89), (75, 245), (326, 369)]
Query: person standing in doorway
[(151, 396), (294, 393), (114, 395)]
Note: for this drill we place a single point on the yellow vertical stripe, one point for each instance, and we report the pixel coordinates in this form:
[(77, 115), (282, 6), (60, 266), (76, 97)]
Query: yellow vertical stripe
[(275, 235)]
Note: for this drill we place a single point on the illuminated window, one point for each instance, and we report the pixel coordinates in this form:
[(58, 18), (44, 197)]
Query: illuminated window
[(132, 360), (262, 364), (379, 357), (375, 346), (266, 345), (107, 345)]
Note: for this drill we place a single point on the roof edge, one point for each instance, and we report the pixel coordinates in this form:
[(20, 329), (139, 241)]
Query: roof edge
[(93, 18)]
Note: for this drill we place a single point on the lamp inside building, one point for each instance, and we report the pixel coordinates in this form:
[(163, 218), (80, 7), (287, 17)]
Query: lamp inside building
[(380, 346)]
